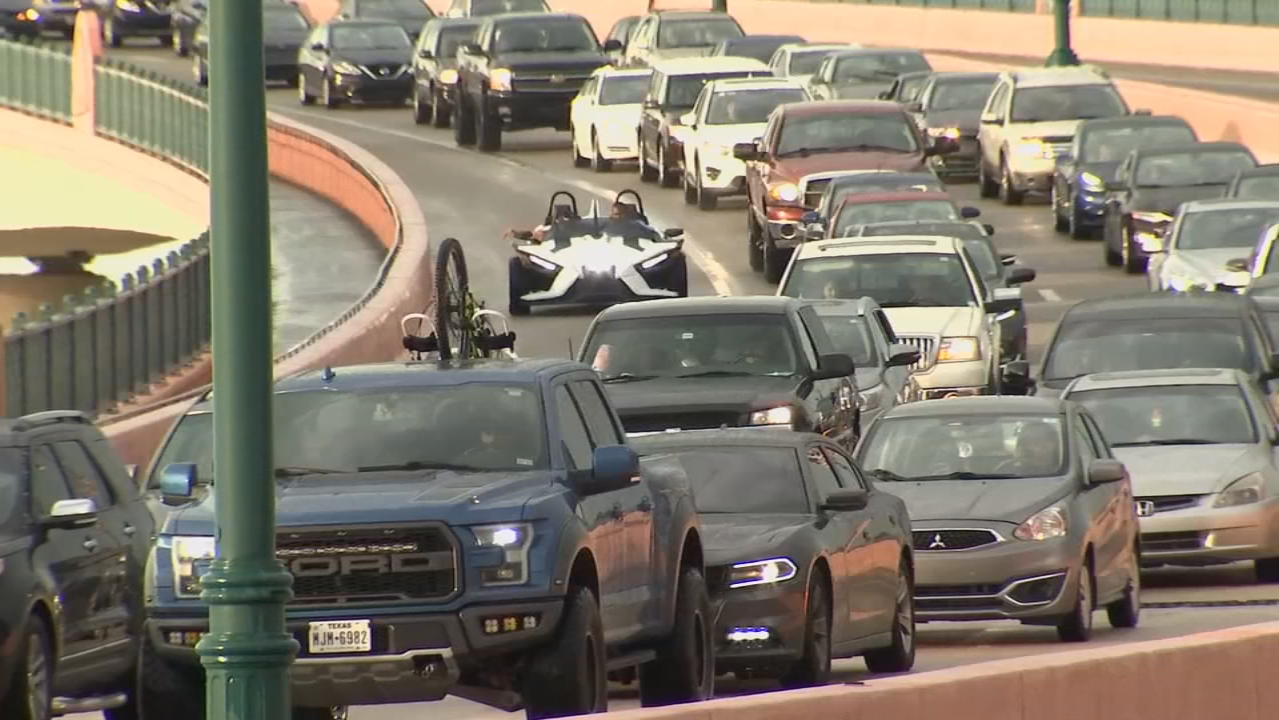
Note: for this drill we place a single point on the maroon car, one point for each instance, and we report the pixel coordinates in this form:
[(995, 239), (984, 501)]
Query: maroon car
[(802, 146)]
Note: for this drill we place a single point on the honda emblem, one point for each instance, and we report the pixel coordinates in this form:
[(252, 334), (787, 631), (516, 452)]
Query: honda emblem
[(937, 543), (1145, 508)]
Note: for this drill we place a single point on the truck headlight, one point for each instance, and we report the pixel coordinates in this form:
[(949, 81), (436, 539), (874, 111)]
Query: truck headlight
[(500, 80), (1044, 525), (872, 397), (1246, 490), (513, 539), (448, 76), (1149, 241), (761, 572), (785, 191), (191, 556), (771, 416), (959, 349), (345, 68), (1033, 148), (944, 132), (127, 6), (1091, 183)]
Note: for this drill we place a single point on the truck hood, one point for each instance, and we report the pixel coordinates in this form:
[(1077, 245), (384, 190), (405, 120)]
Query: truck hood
[(576, 63), (944, 321), (732, 537), (736, 394), (1166, 200), (390, 497), (1010, 501), (1187, 469), (727, 135), (965, 120), (795, 168), (1057, 128)]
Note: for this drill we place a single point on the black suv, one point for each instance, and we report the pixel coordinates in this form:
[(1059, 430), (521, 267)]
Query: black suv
[(701, 363), (435, 68), (74, 538), (522, 72)]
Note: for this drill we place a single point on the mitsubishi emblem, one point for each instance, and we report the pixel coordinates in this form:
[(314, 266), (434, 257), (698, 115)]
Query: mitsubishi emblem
[(384, 71), (1145, 508), (937, 543)]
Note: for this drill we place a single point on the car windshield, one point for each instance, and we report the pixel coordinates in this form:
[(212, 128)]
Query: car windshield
[(1263, 187), (746, 480), (702, 32), (1114, 144), (909, 89), (1212, 167), (838, 132), (1066, 102), (877, 67), (623, 89), (741, 107), (851, 216), (879, 183), (621, 32), (851, 336), (12, 502), (892, 280), (1233, 228), (285, 18), (1114, 345), (682, 90), (694, 345), (1170, 414), (544, 35), (806, 62), (502, 7), (395, 8), (965, 447), (370, 37), (452, 38), (959, 95), (474, 426)]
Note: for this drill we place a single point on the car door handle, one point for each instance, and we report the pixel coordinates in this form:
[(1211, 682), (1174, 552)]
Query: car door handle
[(129, 530), (90, 544), (645, 505)]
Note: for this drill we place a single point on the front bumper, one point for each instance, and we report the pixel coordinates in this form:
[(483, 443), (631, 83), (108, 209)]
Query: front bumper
[(1209, 536), (618, 142), (367, 89), (1031, 174), (415, 658), (722, 175), (526, 111), (1090, 208), (971, 377), (760, 628)]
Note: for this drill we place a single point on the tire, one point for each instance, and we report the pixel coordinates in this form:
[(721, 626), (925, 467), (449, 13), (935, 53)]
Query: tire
[(1077, 625), (900, 655), (986, 187), (326, 95), (1074, 223), (684, 670), (179, 44), (579, 160), (570, 675), (598, 163), (165, 691), (166, 40), (774, 263), (646, 173), (689, 190), (814, 667), (113, 38), (304, 97), (1125, 612), (31, 688), (754, 241), (1007, 193), (1112, 257), (664, 176), (1061, 223), (453, 343), (488, 134), (439, 118), (421, 113), (1266, 570), (679, 278), (515, 305), (705, 200), (463, 123), (1133, 264)]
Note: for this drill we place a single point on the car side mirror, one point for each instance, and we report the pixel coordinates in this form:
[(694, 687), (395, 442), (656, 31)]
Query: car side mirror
[(178, 481), (846, 501), (318, 47), (1007, 260), (613, 467), (1021, 275), (902, 355), (746, 151), (522, 235), (673, 232), (834, 365), (1104, 471), (472, 49), (886, 95), (425, 54), (1142, 111), (1016, 378), (915, 107), (990, 229), (71, 514), (688, 119), (969, 212), (613, 45)]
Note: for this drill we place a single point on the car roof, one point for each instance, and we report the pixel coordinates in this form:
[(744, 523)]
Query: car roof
[(806, 46), (1227, 204), (690, 14), (1152, 378), (508, 17), (720, 437), (761, 39), (1192, 147), (713, 305), (1133, 121), (368, 21), (843, 308), (754, 83), (944, 76), (1160, 305), (703, 65), (1267, 170), (455, 21), (614, 71), (1058, 76), (837, 177), (831, 107), (882, 245), (863, 51), (968, 227), (425, 374), (982, 405), (891, 197)]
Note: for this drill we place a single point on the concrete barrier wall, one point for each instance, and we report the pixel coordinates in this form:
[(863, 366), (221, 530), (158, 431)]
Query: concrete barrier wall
[(355, 180)]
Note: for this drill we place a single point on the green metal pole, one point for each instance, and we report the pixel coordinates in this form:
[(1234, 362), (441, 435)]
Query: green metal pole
[(1063, 54), (719, 6), (247, 653)]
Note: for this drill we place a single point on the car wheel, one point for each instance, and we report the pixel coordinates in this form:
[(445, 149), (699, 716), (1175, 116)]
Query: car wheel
[(579, 160), (179, 45), (1060, 222), (326, 94), (1077, 626), (1113, 257), (463, 124), (421, 113), (598, 163), (1126, 611), (646, 173), (665, 177), (109, 34), (440, 113), (515, 304), (814, 667), (1007, 193), (488, 132), (304, 97), (30, 691), (754, 241), (1075, 223), (900, 655), (1134, 264), (1266, 570), (199, 72), (774, 260), (570, 676), (684, 670), (166, 690), (705, 200), (679, 277), (986, 187), (689, 189), (166, 40)]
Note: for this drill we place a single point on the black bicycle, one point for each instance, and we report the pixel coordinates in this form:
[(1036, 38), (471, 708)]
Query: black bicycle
[(461, 327)]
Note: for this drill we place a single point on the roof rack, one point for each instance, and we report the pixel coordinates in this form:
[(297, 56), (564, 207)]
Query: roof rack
[(50, 417)]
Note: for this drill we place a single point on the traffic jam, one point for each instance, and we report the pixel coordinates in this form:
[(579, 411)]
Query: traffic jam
[(713, 485)]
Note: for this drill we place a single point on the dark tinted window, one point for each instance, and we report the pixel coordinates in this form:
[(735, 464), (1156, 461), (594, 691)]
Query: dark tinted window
[(622, 30), (1191, 168), (745, 479), (1241, 228), (1066, 102), (370, 37), (548, 34), (960, 95), (863, 213), (577, 442), (850, 335), (682, 90), (692, 345), (1114, 144), (623, 89), (1112, 345), (699, 32), (1170, 415), (909, 89), (452, 38), (48, 484), (893, 280), (599, 422), (82, 474), (805, 62), (973, 447), (1258, 188), (12, 471), (823, 476), (501, 7), (877, 68), (845, 131), (844, 470), (737, 107)]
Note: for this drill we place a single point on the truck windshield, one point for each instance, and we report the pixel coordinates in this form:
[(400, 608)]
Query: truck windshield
[(11, 500), (477, 426), (694, 346)]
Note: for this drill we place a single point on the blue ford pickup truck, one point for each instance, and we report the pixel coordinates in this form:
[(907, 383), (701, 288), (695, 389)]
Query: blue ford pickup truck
[(479, 529)]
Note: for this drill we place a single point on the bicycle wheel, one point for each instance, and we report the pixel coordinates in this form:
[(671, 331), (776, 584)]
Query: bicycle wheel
[(452, 327)]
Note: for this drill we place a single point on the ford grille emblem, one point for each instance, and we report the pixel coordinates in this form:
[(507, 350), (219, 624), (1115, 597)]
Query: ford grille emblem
[(1145, 508), (937, 543)]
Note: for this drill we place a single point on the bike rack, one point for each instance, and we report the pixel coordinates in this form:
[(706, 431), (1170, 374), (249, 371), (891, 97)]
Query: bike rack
[(419, 343), (504, 340)]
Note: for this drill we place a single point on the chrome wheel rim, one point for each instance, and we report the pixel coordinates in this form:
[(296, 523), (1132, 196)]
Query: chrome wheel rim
[(37, 679)]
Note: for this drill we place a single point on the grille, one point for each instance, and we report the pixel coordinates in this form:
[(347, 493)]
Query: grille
[(332, 565), (927, 346), (932, 591), (926, 540), (384, 70), (1168, 503), (683, 421), (813, 190), (957, 604), (550, 82), (1155, 542)]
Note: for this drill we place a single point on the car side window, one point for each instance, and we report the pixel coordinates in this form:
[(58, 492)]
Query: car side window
[(577, 442), (845, 472), (588, 90), (823, 477), (112, 469), (816, 331), (1083, 443), (979, 285), (48, 484), (889, 333), (997, 102), (599, 421), (655, 87), (1098, 439), (83, 477)]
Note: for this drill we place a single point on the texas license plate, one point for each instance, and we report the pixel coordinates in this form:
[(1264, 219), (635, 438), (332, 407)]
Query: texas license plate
[(341, 636)]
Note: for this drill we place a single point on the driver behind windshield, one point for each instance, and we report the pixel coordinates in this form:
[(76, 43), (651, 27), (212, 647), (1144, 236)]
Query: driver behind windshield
[(1038, 452)]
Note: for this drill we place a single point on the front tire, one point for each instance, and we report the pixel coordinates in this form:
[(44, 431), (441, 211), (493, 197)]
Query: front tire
[(440, 116), (516, 306), (1061, 223), (1077, 625), (579, 160), (814, 667), (30, 692), (1125, 612), (488, 130), (165, 691), (598, 162), (754, 241), (1133, 263), (180, 45), (304, 97), (1007, 193), (774, 260), (684, 670), (463, 123), (421, 113), (200, 72), (326, 94), (986, 187), (646, 173), (109, 34), (900, 655), (570, 676)]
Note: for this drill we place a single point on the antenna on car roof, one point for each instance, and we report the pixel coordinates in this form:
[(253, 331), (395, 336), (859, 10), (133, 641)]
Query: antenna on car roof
[(571, 354)]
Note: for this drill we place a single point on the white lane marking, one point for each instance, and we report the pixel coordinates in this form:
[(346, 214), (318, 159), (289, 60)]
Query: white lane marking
[(1049, 294), (720, 277)]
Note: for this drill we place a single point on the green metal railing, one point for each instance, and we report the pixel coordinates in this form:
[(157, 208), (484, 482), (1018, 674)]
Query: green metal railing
[(1021, 6), (35, 80), (155, 114), (1230, 12)]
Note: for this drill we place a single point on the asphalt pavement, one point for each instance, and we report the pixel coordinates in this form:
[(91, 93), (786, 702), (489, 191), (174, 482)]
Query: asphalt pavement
[(477, 198)]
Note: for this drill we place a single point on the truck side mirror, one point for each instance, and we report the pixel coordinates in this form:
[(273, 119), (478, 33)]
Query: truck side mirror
[(613, 467)]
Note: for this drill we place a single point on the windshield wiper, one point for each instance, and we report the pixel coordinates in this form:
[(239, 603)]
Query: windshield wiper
[(626, 377), (1171, 441), (870, 146), (901, 303), (964, 475), (888, 476), (417, 465), (718, 373), (298, 470), (566, 48)]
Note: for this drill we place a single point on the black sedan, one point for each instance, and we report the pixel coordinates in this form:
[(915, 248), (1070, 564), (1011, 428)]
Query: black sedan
[(356, 60), (284, 29), (835, 186), (806, 560), (1259, 183), (435, 68), (410, 14), (19, 19), (124, 19), (864, 73), (949, 106)]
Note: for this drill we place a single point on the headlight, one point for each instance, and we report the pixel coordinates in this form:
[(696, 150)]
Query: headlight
[(1043, 525), (540, 262), (655, 261), (1246, 490), (127, 6), (1185, 283), (872, 397), (500, 80), (346, 68), (1034, 148), (1152, 218), (959, 349), (514, 540), (30, 14), (785, 191), (772, 416), (1091, 183), (944, 132), (761, 572), (448, 76), (191, 555)]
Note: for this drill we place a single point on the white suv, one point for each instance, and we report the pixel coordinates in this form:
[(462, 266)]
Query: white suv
[(932, 294), (1030, 119)]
